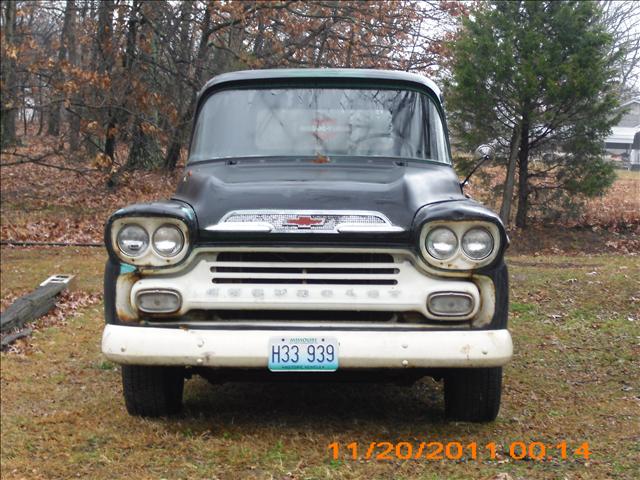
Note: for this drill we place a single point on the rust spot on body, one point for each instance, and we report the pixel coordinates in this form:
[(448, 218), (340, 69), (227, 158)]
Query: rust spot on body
[(124, 309)]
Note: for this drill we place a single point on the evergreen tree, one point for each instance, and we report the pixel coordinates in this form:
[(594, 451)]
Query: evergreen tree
[(538, 76)]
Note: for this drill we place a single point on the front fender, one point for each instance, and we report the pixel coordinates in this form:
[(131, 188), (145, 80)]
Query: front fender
[(164, 209), (461, 210)]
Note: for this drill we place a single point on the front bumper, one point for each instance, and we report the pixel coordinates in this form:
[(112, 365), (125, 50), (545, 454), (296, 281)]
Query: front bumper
[(357, 349)]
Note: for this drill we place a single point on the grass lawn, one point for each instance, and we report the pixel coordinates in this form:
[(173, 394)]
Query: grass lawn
[(574, 378), (629, 175)]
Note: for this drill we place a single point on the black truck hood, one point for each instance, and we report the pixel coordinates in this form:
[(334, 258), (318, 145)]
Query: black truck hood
[(395, 189)]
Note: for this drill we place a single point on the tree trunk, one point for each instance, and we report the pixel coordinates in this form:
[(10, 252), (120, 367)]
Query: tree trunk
[(523, 176), (507, 195), (41, 109), (128, 65), (258, 44), (136, 159), (103, 61), (179, 132), (58, 75), (24, 111), (110, 139), (352, 34), (183, 95), (72, 47), (173, 152), (9, 97), (144, 150)]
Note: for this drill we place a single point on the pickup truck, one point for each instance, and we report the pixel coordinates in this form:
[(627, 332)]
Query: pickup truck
[(319, 231)]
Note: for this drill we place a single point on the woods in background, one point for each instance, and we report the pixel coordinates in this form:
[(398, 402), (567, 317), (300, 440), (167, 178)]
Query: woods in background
[(105, 88), (112, 84)]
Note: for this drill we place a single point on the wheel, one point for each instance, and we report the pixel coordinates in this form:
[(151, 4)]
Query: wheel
[(472, 394), (152, 391)]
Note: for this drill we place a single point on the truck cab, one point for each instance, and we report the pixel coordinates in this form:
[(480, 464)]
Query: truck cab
[(319, 231)]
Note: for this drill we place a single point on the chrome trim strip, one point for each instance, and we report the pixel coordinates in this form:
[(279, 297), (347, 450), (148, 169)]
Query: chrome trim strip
[(261, 226), (354, 228), (301, 324)]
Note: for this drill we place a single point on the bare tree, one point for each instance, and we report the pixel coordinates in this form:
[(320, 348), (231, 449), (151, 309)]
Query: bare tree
[(9, 57), (622, 20), (116, 80)]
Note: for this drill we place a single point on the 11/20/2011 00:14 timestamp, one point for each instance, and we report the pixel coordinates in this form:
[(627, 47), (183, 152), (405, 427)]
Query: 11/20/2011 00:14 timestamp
[(434, 451)]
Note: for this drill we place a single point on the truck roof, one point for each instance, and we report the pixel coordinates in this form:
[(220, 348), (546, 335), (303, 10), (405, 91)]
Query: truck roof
[(321, 73)]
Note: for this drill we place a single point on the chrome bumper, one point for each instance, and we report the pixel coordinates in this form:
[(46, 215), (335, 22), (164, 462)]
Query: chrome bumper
[(357, 349)]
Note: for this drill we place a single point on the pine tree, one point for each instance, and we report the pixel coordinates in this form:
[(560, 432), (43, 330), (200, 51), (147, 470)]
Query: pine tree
[(538, 77)]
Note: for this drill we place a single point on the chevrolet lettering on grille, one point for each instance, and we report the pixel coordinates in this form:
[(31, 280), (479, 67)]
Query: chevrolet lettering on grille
[(304, 222)]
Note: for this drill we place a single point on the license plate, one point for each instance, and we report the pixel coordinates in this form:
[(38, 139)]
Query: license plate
[(303, 354)]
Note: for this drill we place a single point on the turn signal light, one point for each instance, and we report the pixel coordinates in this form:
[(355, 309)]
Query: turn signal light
[(158, 301), (450, 304)]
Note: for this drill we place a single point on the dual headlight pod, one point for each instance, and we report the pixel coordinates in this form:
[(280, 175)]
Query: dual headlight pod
[(459, 245), (442, 243), (167, 240), (149, 241)]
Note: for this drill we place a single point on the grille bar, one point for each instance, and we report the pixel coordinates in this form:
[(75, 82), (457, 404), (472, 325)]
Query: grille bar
[(327, 269), (303, 276), (285, 264)]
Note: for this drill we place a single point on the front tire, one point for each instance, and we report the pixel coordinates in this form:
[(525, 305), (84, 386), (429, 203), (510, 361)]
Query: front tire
[(473, 394), (152, 391)]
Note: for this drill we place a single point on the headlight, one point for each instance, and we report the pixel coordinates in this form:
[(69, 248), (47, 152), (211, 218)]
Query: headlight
[(133, 240), (460, 245), (477, 243), (168, 240), (442, 243), (149, 241)]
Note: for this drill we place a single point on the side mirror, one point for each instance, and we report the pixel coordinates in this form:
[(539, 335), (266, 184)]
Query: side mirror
[(483, 153)]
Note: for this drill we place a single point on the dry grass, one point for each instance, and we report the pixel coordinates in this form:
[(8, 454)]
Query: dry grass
[(619, 207), (575, 321), (616, 211)]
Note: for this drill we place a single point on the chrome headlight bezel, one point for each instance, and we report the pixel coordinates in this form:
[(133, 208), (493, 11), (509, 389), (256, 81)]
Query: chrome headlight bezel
[(150, 257), (459, 261), (464, 243), (123, 249), (446, 230), (180, 243)]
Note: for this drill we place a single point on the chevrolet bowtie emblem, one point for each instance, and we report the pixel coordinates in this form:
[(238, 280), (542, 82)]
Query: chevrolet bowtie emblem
[(304, 222)]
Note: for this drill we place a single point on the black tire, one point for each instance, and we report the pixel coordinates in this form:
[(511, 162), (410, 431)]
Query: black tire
[(472, 394), (152, 391)]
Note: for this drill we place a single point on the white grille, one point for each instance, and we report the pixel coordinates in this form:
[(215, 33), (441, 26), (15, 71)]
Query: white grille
[(311, 269), (299, 281)]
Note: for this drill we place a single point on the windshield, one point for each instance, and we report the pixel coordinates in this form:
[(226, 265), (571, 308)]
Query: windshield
[(319, 121)]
